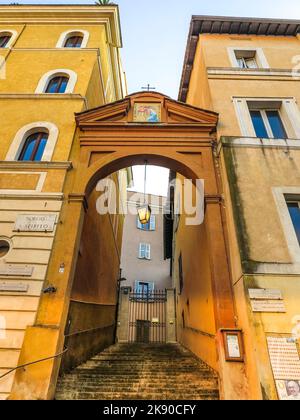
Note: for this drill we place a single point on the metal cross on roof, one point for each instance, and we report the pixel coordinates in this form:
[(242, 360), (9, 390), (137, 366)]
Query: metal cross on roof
[(148, 88)]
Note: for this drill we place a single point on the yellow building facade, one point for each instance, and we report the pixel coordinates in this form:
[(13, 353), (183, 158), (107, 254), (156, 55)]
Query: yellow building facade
[(54, 62), (246, 70)]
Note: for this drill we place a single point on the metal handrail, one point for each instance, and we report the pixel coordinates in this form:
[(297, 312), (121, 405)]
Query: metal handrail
[(33, 363)]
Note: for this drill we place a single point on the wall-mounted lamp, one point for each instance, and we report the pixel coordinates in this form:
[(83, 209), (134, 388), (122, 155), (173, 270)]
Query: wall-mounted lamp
[(50, 289)]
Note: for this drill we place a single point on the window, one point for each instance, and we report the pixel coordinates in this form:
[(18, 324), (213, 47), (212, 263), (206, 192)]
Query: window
[(268, 124), (246, 59), (150, 226), (57, 81), (74, 41), (75, 38), (4, 247), (4, 40), (145, 251), (294, 210), (144, 288), (34, 147), (57, 84), (143, 291)]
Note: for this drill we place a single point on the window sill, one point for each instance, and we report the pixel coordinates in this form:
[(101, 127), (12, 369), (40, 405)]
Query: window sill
[(236, 71), (256, 142)]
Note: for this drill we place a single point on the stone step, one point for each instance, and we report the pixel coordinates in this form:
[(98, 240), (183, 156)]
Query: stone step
[(143, 372), (141, 389), (138, 396), (162, 380)]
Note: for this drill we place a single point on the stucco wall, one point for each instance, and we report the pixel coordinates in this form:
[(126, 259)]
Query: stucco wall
[(157, 269), (196, 299)]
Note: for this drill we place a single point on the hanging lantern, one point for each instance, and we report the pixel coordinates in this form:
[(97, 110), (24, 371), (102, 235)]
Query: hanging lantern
[(144, 211)]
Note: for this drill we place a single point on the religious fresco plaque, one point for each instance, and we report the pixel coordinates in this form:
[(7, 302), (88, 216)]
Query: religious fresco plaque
[(285, 362), (16, 270), (147, 112), (35, 223), (233, 343)]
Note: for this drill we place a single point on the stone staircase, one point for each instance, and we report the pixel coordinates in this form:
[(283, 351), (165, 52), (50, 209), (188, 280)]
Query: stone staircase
[(140, 372)]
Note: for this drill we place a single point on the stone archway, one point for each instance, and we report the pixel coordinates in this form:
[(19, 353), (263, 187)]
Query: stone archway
[(108, 139)]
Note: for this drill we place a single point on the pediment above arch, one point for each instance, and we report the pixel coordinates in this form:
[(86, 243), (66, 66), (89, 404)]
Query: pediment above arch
[(147, 109)]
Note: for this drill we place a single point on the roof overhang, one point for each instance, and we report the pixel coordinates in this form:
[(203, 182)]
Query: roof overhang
[(232, 26)]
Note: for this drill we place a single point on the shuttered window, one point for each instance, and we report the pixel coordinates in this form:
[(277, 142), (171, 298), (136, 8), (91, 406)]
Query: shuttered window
[(150, 226), (145, 251)]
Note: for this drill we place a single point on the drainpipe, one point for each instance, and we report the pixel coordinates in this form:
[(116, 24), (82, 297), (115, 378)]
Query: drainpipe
[(101, 74)]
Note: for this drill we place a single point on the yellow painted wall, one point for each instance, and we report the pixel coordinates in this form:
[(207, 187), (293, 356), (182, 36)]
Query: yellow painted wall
[(255, 230), (33, 54), (196, 300), (212, 53), (94, 295)]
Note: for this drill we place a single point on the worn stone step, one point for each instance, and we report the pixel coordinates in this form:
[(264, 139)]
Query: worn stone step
[(140, 371), (162, 381), (139, 396)]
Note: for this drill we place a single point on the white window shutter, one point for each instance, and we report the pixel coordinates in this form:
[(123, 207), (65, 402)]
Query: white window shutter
[(148, 252), (152, 223), (138, 224), (142, 251)]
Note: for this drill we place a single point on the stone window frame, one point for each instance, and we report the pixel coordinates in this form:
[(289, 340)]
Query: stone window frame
[(259, 57), (281, 196), (13, 37), (18, 142), (287, 107), (45, 79), (73, 32)]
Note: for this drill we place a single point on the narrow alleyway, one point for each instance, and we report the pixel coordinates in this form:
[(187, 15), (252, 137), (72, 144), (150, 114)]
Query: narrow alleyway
[(140, 371)]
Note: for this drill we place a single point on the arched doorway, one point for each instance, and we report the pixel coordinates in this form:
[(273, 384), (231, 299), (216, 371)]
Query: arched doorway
[(110, 138)]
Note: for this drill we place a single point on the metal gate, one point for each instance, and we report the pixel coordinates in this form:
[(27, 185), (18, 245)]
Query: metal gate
[(147, 316)]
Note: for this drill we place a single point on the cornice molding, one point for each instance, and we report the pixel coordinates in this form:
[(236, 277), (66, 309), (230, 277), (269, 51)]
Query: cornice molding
[(35, 165), (50, 96), (78, 198), (32, 196), (250, 73), (213, 199), (65, 14)]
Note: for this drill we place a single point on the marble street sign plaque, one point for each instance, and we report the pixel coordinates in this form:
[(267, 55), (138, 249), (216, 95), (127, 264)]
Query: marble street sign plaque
[(35, 223), (16, 270), (268, 306), (265, 294), (14, 287)]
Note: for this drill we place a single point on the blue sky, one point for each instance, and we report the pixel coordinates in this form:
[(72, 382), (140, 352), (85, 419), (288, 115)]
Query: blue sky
[(155, 33), (154, 37)]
